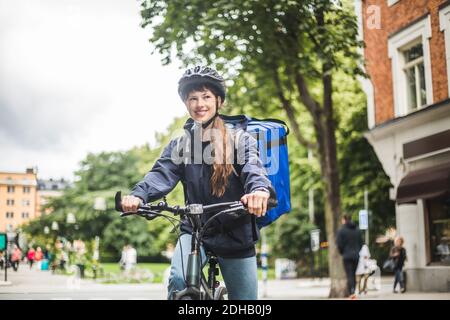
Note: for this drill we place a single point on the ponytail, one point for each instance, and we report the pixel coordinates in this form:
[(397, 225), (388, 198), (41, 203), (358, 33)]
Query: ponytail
[(223, 157)]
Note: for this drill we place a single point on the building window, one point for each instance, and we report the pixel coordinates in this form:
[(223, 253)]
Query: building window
[(439, 231), (415, 77), (444, 23), (9, 215), (26, 189), (9, 202), (25, 215), (26, 203), (409, 51), (11, 189)]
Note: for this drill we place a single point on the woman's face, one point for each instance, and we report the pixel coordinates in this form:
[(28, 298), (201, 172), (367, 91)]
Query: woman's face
[(201, 105), (398, 242)]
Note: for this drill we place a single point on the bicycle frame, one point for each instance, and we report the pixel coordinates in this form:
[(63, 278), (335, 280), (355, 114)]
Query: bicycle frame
[(195, 279)]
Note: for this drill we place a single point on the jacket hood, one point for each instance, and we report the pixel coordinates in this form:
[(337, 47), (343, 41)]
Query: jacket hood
[(350, 225)]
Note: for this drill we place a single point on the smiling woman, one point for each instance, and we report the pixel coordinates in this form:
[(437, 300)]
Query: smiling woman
[(232, 240)]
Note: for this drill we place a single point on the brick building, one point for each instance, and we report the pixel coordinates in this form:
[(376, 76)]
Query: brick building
[(407, 58)]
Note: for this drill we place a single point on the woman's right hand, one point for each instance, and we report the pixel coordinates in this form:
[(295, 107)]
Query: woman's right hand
[(131, 203)]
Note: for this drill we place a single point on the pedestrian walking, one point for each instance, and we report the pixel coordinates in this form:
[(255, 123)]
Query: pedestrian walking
[(398, 254), (363, 269), (123, 258), (38, 256), (349, 243), (131, 258), (30, 256), (2, 260), (16, 256)]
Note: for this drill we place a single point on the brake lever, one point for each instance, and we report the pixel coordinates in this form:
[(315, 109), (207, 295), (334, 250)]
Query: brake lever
[(149, 217), (147, 214), (235, 213), (128, 213)]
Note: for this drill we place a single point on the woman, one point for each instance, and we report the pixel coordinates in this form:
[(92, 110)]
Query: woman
[(363, 270), (398, 253), (209, 178), (30, 256), (38, 256)]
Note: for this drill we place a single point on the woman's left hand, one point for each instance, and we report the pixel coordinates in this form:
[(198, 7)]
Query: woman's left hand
[(256, 202)]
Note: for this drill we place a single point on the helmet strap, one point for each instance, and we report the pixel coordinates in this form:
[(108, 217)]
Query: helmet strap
[(207, 123)]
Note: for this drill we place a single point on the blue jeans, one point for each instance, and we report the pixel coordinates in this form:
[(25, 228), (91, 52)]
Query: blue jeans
[(399, 278), (240, 275)]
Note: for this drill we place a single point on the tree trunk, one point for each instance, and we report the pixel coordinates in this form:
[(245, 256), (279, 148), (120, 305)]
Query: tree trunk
[(324, 127), (330, 172), (328, 165)]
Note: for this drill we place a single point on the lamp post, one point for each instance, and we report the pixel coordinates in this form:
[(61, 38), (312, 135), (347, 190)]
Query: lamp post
[(55, 226), (99, 205), (70, 220)]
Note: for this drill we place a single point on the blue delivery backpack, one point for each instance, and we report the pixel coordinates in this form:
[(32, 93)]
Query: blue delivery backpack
[(271, 135)]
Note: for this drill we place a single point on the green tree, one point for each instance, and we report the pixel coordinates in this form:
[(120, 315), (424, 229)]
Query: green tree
[(279, 49)]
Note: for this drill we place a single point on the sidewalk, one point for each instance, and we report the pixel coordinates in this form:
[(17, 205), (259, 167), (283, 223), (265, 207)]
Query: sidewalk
[(308, 289), (42, 285)]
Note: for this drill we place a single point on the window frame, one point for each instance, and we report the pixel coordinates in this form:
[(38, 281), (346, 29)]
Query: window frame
[(444, 24), (415, 33), (410, 65)]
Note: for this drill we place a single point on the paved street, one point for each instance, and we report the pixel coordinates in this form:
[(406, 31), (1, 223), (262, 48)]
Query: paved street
[(32, 284)]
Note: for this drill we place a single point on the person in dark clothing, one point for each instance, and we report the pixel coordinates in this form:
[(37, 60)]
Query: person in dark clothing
[(349, 243), (398, 253), (204, 161)]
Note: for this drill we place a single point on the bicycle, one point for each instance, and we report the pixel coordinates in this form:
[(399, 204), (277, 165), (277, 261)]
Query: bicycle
[(197, 286)]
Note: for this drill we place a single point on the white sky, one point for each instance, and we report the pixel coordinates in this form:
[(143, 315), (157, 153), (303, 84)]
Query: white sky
[(77, 76)]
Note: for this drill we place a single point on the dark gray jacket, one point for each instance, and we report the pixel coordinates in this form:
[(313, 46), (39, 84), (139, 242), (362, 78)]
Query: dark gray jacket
[(236, 239), (349, 241)]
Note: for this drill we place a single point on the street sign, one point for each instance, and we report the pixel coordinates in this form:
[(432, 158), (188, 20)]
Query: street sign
[(315, 240), (3, 241), (363, 219)]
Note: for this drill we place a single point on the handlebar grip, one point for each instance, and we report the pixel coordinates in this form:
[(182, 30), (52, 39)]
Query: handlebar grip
[(118, 201)]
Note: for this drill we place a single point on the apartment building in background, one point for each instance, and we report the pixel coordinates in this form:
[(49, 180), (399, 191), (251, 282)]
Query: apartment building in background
[(18, 195), (407, 57), (23, 195), (48, 189)]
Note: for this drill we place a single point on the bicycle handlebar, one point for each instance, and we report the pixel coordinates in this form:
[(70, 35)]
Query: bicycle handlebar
[(192, 209)]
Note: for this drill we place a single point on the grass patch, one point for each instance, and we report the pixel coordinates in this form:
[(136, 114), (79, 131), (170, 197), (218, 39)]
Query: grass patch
[(158, 270)]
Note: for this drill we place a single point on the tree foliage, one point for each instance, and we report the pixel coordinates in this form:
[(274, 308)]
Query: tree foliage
[(101, 175)]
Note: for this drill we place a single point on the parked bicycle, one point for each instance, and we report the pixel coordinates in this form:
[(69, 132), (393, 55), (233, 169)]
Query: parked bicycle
[(197, 286)]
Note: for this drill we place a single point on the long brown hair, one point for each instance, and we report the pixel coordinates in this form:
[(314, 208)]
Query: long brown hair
[(221, 143), (223, 153)]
